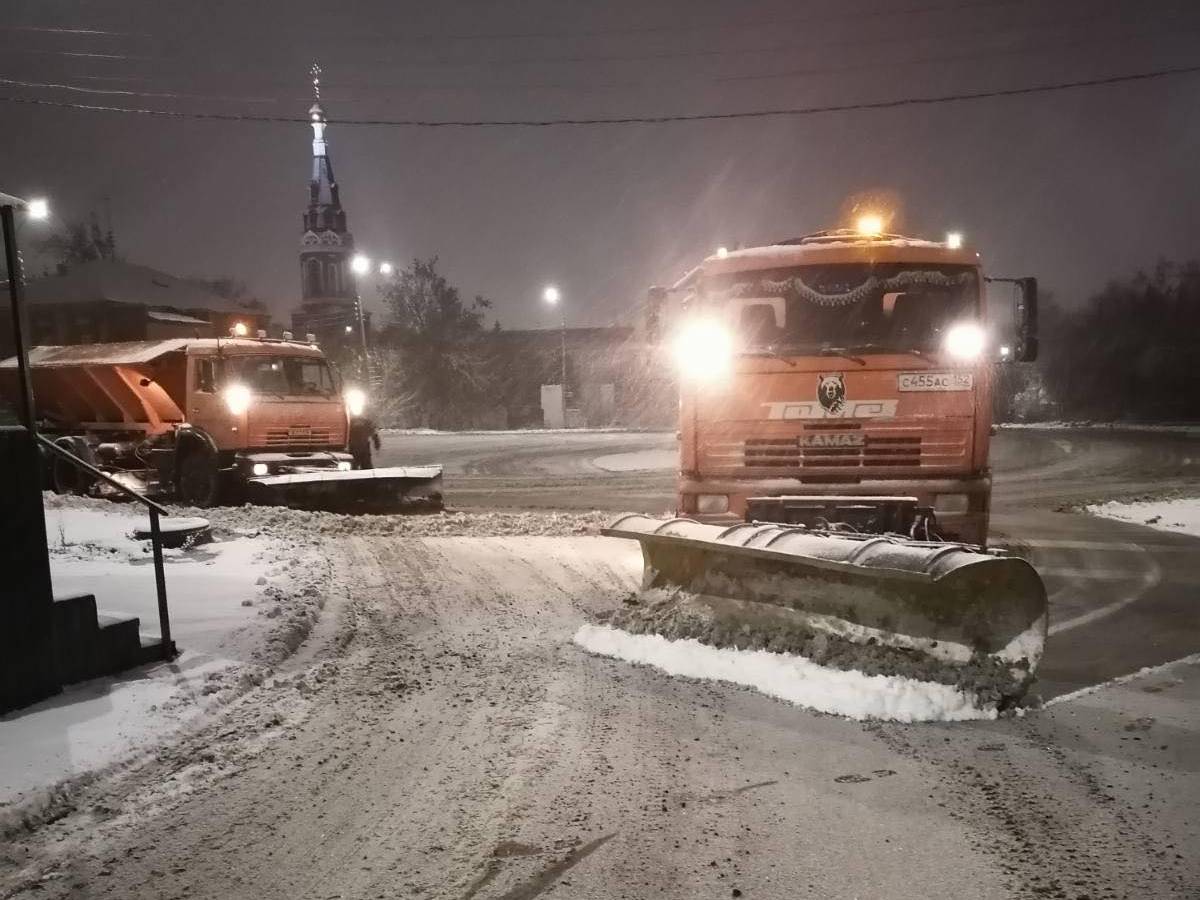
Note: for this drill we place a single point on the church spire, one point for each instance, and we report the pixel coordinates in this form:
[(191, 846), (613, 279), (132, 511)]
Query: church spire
[(324, 186), (325, 244)]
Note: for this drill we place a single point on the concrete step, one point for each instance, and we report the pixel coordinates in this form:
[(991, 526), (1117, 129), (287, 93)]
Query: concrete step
[(89, 645)]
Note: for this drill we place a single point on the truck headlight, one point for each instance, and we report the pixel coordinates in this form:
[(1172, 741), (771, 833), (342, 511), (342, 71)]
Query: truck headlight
[(356, 401), (703, 350), (260, 469), (965, 341), (712, 503), (238, 398)]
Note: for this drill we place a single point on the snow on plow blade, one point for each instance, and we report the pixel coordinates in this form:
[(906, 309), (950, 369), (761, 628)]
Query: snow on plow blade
[(354, 490), (885, 605)]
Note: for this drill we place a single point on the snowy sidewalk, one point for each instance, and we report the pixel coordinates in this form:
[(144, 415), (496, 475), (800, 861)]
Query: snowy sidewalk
[(1181, 515), (237, 605)]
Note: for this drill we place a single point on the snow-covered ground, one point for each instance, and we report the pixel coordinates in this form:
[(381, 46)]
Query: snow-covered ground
[(237, 605), (639, 460), (1177, 428), (795, 679), (1181, 515)]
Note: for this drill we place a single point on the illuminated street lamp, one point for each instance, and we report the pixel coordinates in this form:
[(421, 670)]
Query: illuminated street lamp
[(360, 265), (386, 268), (954, 240)]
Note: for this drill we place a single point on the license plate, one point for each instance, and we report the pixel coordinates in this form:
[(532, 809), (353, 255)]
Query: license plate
[(935, 381)]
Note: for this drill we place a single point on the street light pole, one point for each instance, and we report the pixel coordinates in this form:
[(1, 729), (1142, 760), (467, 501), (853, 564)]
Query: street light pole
[(552, 296), (16, 298)]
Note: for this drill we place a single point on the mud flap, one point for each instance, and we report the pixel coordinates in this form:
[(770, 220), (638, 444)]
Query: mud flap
[(950, 604), (357, 490)]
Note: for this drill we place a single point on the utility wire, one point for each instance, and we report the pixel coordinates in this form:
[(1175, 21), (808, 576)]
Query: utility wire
[(630, 120)]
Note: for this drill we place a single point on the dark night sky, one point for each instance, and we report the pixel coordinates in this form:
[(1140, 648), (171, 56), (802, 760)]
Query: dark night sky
[(1075, 187)]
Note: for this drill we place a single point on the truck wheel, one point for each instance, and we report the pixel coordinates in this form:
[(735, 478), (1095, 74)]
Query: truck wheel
[(65, 476), (199, 480)]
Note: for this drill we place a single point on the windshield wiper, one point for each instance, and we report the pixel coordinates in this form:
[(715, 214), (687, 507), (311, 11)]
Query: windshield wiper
[(843, 352), (771, 352), (910, 351)]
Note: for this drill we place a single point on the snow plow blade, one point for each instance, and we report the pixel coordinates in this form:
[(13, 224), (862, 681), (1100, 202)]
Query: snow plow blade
[(356, 490), (885, 605)]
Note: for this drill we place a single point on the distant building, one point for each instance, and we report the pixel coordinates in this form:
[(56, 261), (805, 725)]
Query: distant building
[(328, 288), (613, 378), (111, 300)]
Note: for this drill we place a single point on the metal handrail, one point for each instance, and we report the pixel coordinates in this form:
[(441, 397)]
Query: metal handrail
[(155, 510)]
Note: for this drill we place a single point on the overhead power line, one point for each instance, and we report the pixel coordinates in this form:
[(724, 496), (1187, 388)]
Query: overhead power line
[(632, 120)]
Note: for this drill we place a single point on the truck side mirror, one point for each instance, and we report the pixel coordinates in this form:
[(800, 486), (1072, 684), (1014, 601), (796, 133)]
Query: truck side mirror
[(1025, 318)]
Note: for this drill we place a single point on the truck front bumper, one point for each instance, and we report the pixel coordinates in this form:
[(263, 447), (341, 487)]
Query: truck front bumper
[(960, 504)]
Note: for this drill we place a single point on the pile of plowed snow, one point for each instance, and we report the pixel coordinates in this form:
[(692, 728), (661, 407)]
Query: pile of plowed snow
[(295, 523), (768, 648), (795, 679)]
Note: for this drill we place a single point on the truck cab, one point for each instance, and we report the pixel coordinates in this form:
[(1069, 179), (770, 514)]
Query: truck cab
[(842, 380)]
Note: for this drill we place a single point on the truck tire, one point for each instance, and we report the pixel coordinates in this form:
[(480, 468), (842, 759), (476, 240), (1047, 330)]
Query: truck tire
[(65, 476), (199, 478)]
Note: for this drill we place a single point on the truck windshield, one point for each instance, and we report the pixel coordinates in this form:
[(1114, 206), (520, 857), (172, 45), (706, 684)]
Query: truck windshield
[(284, 376), (854, 306)]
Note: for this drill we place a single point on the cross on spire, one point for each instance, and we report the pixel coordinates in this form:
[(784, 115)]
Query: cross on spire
[(315, 71)]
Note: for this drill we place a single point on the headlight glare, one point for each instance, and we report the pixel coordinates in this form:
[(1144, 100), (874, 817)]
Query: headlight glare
[(703, 350), (238, 398), (965, 341), (356, 401)]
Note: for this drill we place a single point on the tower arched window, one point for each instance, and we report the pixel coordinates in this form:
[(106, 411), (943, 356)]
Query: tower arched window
[(332, 278), (312, 278)]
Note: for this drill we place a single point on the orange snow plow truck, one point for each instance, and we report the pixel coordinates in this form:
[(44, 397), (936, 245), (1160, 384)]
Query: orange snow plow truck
[(833, 492), (843, 380), (208, 420)]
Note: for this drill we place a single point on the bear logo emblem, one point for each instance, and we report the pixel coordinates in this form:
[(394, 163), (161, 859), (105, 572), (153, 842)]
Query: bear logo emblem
[(831, 393)]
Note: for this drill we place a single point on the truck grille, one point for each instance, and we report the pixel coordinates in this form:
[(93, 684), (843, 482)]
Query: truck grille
[(299, 436), (846, 446)]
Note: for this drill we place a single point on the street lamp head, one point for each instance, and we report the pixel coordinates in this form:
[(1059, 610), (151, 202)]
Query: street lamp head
[(386, 268), (38, 209), (551, 295), (360, 265)]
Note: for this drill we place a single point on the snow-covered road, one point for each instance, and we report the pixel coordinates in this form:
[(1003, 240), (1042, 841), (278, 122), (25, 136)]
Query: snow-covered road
[(441, 736)]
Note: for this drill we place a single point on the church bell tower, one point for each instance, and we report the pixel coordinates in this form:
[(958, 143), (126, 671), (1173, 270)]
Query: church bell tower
[(328, 291)]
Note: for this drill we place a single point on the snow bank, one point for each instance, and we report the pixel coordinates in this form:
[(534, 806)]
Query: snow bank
[(497, 431), (792, 678), (1100, 426), (1181, 515), (238, 605), (638, 461)]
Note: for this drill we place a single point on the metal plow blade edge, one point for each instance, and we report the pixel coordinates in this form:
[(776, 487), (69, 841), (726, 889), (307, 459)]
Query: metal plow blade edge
[(358, 490), (883, 605)]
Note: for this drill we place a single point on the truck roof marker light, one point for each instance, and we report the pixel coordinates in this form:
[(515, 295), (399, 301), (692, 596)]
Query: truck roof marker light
[(287, 335), (311, 338), (869, 225), (722, 252), (954, 240), (261, 334), (238, 329)]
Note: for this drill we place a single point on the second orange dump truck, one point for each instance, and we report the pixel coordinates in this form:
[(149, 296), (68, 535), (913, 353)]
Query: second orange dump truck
[(207, 420)]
